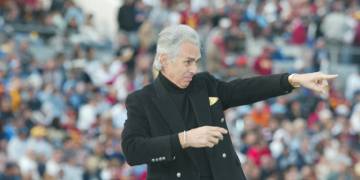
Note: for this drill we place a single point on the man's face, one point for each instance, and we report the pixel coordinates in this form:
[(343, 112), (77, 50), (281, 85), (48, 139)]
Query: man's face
[(184, 67)]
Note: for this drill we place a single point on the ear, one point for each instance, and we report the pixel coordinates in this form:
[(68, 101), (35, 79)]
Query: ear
[(163, 59)]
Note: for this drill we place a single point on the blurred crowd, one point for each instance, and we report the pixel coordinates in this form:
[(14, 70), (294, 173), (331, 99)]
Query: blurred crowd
[(61, 117)]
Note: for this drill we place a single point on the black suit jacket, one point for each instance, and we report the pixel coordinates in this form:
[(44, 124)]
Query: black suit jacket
[(153, 122)]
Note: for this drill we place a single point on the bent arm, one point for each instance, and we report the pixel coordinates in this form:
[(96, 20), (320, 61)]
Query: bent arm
[(138, 145)]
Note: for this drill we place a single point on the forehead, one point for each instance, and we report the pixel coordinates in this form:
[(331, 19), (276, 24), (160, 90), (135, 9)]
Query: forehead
[(188, 49)]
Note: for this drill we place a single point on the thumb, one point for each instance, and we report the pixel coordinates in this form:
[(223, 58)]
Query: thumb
[(313, 86)]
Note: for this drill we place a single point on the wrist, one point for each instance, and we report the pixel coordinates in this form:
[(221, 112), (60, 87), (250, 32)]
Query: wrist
[(183, 139), (293, 80)]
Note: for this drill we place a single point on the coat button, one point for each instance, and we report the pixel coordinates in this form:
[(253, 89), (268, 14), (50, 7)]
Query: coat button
[(222, 120), (224, 155), (178, 174)]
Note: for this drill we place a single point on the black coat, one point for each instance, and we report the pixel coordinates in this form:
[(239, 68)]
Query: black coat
[(153, 121)]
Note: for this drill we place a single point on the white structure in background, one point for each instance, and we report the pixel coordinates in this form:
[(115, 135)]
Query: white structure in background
[(105, 13)]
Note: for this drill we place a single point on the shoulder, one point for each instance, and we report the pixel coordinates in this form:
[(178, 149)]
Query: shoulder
[(141, 94), (202, 75), (205, 80), (205, 77)]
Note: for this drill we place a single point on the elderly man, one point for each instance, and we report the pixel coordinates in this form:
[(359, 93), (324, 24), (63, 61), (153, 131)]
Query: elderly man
[(176, 125)]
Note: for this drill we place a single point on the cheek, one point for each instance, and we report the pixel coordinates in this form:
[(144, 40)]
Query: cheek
[(184, 72)]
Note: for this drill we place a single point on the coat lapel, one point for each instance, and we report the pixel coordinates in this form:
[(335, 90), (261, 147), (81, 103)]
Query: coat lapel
[(200, 102), (167, 108)]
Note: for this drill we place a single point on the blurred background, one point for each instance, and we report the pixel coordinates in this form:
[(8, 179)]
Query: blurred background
[(66, 67)]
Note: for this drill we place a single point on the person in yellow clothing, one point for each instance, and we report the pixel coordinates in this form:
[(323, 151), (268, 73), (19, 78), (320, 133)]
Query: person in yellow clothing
[(15, 95)]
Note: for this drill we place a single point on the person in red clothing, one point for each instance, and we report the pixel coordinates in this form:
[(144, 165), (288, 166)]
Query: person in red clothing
[(189, 17), (257, 151), (263, 63), (299, 32), (356, 41)]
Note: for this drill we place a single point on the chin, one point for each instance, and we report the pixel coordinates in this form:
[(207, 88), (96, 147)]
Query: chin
[(185, 85)]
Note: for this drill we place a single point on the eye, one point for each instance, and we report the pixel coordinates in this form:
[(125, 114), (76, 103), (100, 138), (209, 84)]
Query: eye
[(187, 62)]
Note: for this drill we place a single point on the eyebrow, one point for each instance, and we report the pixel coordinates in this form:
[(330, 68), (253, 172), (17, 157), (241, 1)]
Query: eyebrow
[(193, 59)]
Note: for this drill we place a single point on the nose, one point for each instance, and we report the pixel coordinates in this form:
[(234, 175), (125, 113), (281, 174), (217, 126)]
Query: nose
[(193, 68)]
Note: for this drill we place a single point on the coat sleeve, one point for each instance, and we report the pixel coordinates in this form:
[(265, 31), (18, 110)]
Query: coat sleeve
[(137, 144), (250, 90)]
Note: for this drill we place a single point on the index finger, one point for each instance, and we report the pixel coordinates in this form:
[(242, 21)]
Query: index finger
[(222, 130), (217, 128), (329, 76)]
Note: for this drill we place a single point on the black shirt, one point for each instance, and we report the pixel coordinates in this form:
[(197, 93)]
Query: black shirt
[(182, 102)]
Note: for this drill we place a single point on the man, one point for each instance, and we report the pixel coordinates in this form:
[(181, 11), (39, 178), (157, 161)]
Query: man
[(176, 124)]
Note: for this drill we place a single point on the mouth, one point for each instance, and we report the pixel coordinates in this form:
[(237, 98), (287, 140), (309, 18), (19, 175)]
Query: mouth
[(188, 79)]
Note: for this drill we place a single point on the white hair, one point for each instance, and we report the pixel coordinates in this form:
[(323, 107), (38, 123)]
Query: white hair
[(170, 40)]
